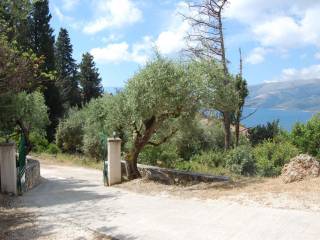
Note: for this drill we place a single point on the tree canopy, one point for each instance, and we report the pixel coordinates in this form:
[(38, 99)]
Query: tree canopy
[(161, 92), (90, 80), (24, 111), (66, 67)]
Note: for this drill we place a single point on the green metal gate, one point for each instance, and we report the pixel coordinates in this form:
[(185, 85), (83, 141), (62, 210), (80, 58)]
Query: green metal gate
[(21, 165), (104, 141)]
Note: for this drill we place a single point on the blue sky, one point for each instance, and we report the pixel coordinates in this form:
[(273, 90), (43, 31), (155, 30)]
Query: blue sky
[(280, 40)]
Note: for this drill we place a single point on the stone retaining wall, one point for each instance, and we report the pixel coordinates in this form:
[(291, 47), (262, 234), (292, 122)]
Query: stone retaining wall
[(32, 173), (171, 176)]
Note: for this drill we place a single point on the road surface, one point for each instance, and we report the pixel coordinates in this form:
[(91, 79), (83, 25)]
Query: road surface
[(72, 203)]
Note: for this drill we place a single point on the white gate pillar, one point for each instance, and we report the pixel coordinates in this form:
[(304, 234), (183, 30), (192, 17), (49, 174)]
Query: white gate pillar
[(8, 168), (114, 161)]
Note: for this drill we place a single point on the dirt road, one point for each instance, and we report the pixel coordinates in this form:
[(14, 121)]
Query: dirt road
[(72, 203)]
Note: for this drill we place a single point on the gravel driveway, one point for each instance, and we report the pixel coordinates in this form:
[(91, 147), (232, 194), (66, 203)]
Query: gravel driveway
[(72, 203)]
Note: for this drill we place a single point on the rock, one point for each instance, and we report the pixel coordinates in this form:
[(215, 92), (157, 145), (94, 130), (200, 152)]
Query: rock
[(299, 168)]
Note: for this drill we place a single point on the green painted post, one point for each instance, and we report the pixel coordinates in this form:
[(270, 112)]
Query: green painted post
[(104, 159), (22, 164)]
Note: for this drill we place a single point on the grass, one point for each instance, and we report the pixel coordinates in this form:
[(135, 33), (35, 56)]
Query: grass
[(69, 159), (207, 169), (84, 161)]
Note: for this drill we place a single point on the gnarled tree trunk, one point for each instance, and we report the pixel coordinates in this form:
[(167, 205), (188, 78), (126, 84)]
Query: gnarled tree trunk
[(227, 131), (140, 140)]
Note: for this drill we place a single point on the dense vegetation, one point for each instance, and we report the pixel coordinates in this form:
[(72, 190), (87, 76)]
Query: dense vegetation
[(39, 79), (176, 114)]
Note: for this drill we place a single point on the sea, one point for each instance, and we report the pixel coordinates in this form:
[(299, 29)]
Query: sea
[(287, 118)]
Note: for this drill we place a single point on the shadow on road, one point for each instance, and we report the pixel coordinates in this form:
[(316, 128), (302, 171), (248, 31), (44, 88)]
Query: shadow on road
[(74, 202), (17, 224), (63, 191)]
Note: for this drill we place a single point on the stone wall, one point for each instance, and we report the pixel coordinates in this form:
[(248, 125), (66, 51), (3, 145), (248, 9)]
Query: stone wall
[(32, 173), (171, 176)]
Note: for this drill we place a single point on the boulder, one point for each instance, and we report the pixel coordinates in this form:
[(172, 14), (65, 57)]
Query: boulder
[(299, 168)]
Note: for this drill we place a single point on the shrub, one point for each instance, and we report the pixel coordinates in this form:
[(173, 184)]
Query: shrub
[(188, 139), (240, 160), (264, 132), (307, 136), (197, 136), (69, 136), (213, 137), (272, 155), (163, 156), (82, 129), (39, 142), (98, 124), (52, 149), (210, 159), (206, 162)]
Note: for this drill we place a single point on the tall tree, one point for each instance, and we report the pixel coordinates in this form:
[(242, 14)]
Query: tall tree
[(90, 80), (14, 24), (19, 71), (67, 71), (243, 92), (154, 98), (42, 43), (42, 39), (206, 41)]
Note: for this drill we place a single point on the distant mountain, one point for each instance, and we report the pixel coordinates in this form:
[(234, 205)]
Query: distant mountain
[(295, 95)]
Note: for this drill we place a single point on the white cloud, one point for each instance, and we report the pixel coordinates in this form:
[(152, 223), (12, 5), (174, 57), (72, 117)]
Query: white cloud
[(121, 52), (172, 40), (317, 56), (142, 50), (304, 74), (115, 52), (257, 55), (113, 13), (57, 12), (281, 32), (280, 25), (111, 38), (69, 4)]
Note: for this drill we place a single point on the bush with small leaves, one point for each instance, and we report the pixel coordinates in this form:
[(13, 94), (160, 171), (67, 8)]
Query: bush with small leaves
[(52, 149), (307, 136), (69, 136), (240, 160), (264, 132), (39, 142), (271, 156), (165, 155)]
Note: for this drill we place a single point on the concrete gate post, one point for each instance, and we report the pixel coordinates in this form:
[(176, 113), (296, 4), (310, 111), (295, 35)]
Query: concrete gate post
[(114, 161), (8, 168)]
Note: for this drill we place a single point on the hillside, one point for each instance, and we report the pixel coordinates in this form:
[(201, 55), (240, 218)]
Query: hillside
[(294, 95)]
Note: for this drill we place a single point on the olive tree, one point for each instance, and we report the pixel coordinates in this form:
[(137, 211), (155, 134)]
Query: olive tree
[(215, 94), (18, 71), (206, 40), (159, 94), (25, 113)]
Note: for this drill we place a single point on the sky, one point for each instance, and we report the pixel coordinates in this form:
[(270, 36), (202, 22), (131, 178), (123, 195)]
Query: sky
[(280, 39)]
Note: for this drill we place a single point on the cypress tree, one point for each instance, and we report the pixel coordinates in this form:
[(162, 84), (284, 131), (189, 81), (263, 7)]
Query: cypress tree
[(42, 37), (42, 43), (67, 71), (90, 80), (14, 22)]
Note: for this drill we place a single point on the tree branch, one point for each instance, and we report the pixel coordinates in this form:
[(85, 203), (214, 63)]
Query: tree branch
[(164, 139)]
